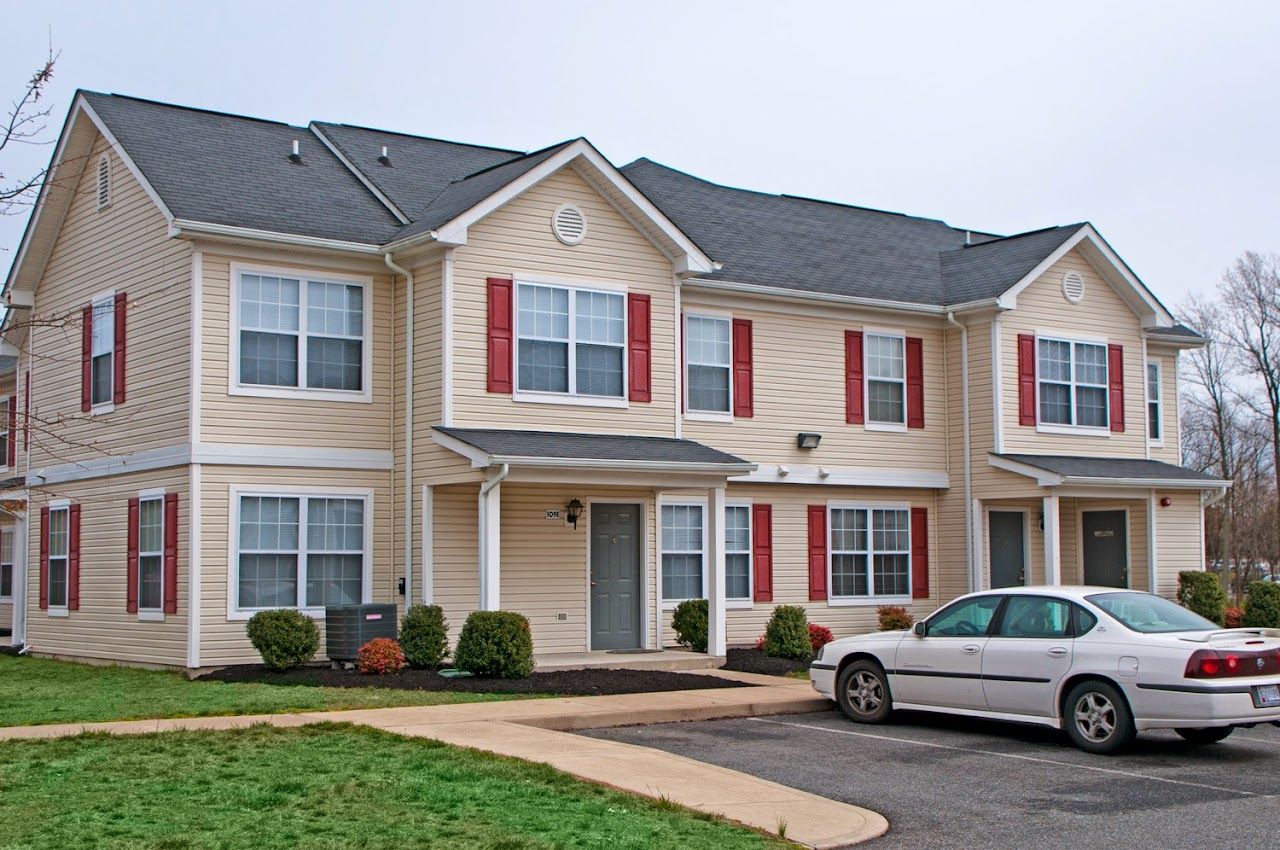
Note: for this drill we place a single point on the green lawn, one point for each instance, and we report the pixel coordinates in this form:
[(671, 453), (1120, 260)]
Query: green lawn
[(37, 690), (328, 786)]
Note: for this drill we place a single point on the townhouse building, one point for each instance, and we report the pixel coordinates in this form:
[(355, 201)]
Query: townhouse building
[(258, 365)]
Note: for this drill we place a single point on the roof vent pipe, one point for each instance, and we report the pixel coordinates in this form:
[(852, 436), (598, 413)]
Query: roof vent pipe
[(296, 156), (383, 158), (968, 237)]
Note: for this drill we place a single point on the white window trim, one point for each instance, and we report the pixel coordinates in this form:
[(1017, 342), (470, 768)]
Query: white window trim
[(60, 610), (1075, 430), (670, 604), (234, 611), (867, 423), (749, 600), (689, 412), (834, 601), (104, 407), (1158, 401), (235, 387), (571, 397), (153, 494), (13, 565)]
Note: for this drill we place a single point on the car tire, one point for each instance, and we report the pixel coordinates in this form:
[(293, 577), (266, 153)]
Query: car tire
[(1207, 735), (1097, 718), (863, 692)]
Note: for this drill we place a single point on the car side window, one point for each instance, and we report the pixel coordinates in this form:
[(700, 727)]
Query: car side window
[(1035, 617), (1083, 621), (967, 618)]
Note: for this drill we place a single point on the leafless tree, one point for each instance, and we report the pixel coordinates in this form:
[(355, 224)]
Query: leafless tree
[(25, 123)]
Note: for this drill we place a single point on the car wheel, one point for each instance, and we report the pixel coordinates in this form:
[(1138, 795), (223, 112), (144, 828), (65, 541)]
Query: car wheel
[(1210, 735), (1098, 719), (863, 692)]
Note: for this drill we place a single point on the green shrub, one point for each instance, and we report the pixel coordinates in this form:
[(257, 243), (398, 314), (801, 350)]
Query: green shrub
[(1201, 592), (690, 624), (894, 617), (424, 636), (495, 643), (787, 634), (1262, 605), (284, 637)]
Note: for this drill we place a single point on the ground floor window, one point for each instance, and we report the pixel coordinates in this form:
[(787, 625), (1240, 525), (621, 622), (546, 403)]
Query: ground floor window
[(296, 551), (737, 552), (59, 549), (682, 551), (7, 550), (151, 553), (870, 552)]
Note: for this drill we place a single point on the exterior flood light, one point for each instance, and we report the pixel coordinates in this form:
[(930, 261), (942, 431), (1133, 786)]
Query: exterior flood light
[(573, 511), (806, 440)]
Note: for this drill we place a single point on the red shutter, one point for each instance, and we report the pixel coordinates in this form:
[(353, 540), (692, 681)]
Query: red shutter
[(1115, 376), (915, 382), (1026, 379), (743, 401), (73, 558), (86, 359), (118, 360), (171, 553), (762, 551), (12, 442), (853, 377), (817, 552), (131, 574), (501, 323), (919, 553), (44, 558), (638, 345), (26, 414)]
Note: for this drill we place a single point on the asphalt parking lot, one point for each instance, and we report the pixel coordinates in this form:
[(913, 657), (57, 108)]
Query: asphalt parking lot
[(960, 783)]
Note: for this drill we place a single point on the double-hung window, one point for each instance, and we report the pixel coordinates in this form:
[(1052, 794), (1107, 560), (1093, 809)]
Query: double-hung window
[(7, 552), (300, 551), (59, 555), (102, 351), (151, 554), (1153, 403), (682, 552), (570, 341), (886, 379), (1072, 382), (5, 436), (870, 552), (737, 553), (301, 333), (708, 364)]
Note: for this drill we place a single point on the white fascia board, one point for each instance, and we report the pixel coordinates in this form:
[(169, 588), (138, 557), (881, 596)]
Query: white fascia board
[(236, 454), (799, 295), (185, 227), (625, 465), (1175, 344), (1043, 477), (99, 467), (1153, 483), (846, 476), (357, 173)]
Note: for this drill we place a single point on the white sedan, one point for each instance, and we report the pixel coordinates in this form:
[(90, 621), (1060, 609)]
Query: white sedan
[(1102, 664)]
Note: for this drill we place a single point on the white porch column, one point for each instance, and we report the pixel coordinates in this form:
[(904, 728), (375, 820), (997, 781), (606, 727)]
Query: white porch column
[(1153, 576), (715, 571), (490, 545), (1052, 543)]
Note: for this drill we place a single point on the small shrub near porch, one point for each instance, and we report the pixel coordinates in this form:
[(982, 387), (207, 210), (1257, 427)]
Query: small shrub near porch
[(424, 636), (1202, 593), (284, 638), (787, 634), (496, 644), (380, 656), (689, 622), (1262, 605), (892, 618)]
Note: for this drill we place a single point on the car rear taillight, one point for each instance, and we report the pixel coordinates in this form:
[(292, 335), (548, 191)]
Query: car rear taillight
[(1213, 664)]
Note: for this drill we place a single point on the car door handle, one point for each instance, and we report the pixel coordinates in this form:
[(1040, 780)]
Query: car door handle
[(970, 648), (1057, 651)]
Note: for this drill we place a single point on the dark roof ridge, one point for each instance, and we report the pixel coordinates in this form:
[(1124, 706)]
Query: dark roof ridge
[(186, 108), (1011, 236), (417, 136), (516, 159)]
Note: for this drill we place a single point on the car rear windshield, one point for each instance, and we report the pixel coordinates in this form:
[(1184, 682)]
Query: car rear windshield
[(1149, 614)]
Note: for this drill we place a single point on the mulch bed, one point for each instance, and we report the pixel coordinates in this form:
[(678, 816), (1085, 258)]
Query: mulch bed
[(755, 661), (590, 682)]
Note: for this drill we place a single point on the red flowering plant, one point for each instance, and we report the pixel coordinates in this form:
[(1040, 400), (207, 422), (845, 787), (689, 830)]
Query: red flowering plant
[(819, 636), (380, 655)]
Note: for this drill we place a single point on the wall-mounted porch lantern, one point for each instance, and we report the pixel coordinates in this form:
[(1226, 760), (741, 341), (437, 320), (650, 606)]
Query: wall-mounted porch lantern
[(806, 440), (573, 510)]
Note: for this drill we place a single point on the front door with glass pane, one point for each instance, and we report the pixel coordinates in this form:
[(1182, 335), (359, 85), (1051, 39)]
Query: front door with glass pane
[(616, 567)]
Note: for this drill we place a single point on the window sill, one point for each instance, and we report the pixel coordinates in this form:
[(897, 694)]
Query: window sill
[(866, 601), (1073, 430), (151, 616), (60, 611), (885, 426), (739, 604), (707, 416), (245, 614), (1155, 444), (102, 409), (526, 397), (345, 396)]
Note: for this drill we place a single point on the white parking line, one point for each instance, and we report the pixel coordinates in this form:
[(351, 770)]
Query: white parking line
[(1015, 756)]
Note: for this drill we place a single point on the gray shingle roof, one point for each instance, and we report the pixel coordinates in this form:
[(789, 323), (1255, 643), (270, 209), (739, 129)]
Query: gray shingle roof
[(988, 269), (1176, 331), (502, 443), (1112, 467)]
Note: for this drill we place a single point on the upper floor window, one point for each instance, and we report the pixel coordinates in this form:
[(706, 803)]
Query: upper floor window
[(1153, 403), (1072, 382), (708, 354), (102, 348), (5, 436), (302, 333), (570, 341), (7, 551), (870, 552), (886, 379)]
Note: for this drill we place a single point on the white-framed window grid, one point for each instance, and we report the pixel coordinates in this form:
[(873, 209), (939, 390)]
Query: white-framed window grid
[(868, 553), (58, 588), (102, 353), (1072, 386), (682, 535), (708, 370), (570, 343), (1155, 424), (8, 554), (885, 379), (151, 555), (739, 580)]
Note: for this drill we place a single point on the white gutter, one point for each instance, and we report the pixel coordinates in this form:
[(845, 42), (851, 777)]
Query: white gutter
[(970, 561), (408, 426), (727, 469), (182, 227), (830, 298)]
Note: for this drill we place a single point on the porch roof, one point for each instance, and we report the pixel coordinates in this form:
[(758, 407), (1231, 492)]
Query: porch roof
[(1055, 470), (489, 446)]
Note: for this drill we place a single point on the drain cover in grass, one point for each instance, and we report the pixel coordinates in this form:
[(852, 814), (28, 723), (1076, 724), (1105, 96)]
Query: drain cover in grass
[(453, 673)]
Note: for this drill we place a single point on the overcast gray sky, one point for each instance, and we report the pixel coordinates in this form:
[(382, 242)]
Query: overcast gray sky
[(1157, 121)]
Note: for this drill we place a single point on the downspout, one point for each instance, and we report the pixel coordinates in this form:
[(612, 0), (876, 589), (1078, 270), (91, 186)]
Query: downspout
[(408, 426), (970, 566), (490, 483)]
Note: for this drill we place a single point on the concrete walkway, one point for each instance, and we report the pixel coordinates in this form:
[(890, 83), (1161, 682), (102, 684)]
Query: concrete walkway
[(540, 731)]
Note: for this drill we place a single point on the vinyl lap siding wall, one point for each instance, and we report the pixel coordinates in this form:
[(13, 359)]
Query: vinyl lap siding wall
[(1179, 539)]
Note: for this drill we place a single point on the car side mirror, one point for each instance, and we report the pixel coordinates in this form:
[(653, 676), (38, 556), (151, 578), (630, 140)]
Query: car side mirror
[(920, 629)]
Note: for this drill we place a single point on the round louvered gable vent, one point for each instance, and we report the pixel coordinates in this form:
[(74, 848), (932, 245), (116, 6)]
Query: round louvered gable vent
[(569, 224), (1073, 287)]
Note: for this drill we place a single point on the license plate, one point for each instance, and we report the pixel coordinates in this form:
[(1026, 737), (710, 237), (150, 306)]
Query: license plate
[(1265, 696)]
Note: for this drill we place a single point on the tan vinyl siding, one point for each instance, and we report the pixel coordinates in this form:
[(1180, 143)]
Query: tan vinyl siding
[(1179, 539), (124, 247), (102, 628)]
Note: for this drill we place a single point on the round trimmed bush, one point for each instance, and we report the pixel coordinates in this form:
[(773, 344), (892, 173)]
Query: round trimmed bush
[(424, 636), (1201, 592), (689, 622), (1262, 605), (380, 656), (284, 637), (893, 618), (787, 634), (496, 644)]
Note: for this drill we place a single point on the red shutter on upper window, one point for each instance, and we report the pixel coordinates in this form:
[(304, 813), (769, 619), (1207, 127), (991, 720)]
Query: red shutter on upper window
[(12, 442), (118, 360), (1115, 378), (1026, 379), (817, 552), (853, 377), (919, 553), (501, 325), (26, 414), (638, 347), (171, 553), (743, 391), (762, 552), (44, 558), (915, 382), (131, 573), (73, 558), (86, 360)]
